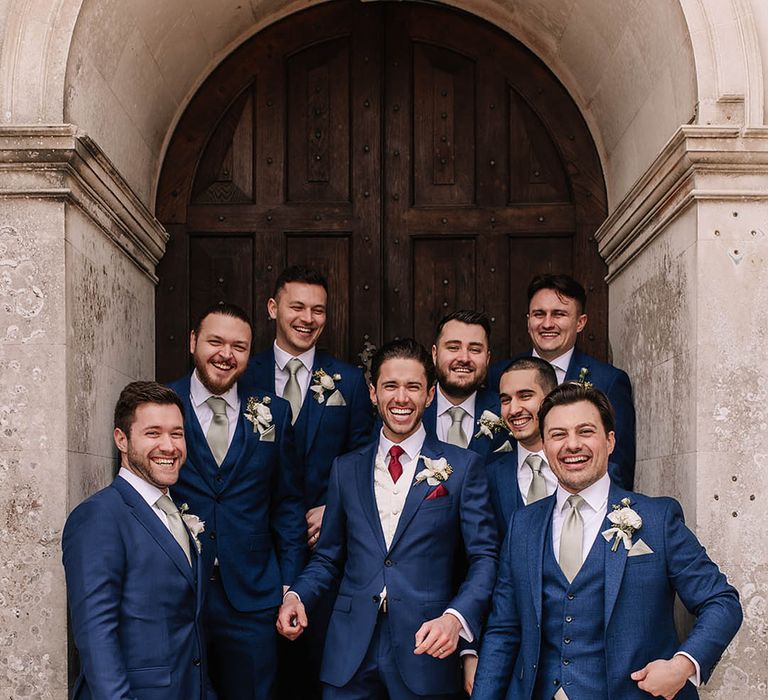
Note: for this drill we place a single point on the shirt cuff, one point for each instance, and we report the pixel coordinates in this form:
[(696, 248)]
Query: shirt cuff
[(293, 593), (467, 652), (465, 633), (696, 677)]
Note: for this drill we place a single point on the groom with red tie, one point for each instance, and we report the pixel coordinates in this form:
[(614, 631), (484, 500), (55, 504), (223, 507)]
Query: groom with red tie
[(397, 514)]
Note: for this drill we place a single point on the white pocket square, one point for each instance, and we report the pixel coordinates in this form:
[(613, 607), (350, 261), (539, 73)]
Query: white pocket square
[(268, 435), (506, 447), (639, 548), (336, 399)]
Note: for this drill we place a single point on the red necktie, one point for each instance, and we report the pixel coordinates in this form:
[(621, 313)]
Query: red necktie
[(395, 468)]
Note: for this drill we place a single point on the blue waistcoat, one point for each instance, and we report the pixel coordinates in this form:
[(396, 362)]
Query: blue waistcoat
[(573, 641)]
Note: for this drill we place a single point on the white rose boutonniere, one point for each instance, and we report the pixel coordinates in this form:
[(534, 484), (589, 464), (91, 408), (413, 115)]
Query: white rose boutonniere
[(435, 471), (489, 424), (257, 411), (625, 523), (322, 382), (194, 525)]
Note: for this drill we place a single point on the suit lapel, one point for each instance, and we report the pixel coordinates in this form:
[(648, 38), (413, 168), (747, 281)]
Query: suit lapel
[(614, 561), (202, 460), (315, 408), (262, 374), (485, 401), (430, 417), (417, 492), (240, 441), (366, 492), (156, 529), (578, 360), (540, 529)]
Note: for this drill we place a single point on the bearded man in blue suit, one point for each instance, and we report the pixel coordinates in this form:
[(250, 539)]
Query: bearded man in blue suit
[(584, 603), (465, 413), (556, 317), (134, 578), (399, 512), (331, 415), (241, 477)]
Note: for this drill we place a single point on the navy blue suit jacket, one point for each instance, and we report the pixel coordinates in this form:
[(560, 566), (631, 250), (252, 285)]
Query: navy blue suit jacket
[(486, 399), (417, 569), (331, 430), (505, 492), (252, 504), (134, 600), (615, 384), (639, 602)]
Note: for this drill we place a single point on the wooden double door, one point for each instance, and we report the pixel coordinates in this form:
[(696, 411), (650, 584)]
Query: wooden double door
[(421, 158)]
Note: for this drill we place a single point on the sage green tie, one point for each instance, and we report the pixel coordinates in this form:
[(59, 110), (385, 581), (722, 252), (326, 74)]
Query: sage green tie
[(175, 523), (218, 430), (292, 392), (572, 539), (456, 435), (538, 487)]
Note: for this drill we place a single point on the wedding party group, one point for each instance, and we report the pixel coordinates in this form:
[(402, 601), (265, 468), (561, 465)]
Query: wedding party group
[(286, 526)]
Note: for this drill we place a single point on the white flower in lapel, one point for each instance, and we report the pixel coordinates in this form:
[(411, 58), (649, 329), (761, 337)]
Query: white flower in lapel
[(194, 525), (257, 411), (625, 523), (435, 471), (489, 424), (323, 382)]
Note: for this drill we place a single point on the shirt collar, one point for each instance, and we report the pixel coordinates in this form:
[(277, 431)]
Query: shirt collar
[(282, 357), (444, 404), (412, 445), (522, 453), (562, 362), (146, 490), (200, 394), (595, 496)]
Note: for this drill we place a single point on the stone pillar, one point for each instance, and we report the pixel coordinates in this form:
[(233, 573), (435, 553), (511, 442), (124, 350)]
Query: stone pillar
[(687, 251), (77, 259)]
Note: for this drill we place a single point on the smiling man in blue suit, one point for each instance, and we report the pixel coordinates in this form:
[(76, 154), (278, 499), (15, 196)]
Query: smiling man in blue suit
[(583, 606), (134, 580), (241, 477), (556, 317), (399, 512), (461, 354)]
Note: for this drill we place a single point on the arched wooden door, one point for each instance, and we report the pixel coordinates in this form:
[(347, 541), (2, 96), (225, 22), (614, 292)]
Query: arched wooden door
[(424, 160)]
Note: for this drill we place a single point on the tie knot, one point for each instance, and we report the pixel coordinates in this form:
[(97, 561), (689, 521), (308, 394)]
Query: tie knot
[(395, 452), (217, 405), (294, 365), (165, 504), (574, 501), (456, 413), (534, 462)]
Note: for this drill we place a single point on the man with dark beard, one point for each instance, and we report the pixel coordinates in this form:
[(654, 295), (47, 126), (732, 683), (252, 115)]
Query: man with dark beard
[(464, 412), (241, 478)]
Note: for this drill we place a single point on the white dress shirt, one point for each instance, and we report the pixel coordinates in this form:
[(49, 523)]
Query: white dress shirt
[(525, 475), (390, 496), (302, 376), (198, 395), (593, 510), (444, 420), (147, 491), (559, 364)]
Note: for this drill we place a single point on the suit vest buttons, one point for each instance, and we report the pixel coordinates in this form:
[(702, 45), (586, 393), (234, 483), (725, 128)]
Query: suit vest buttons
[(571, 596), (568, 618), (566, 662), (567, 640), (196, 662), (212, 536), (388, 562), (376, 599)]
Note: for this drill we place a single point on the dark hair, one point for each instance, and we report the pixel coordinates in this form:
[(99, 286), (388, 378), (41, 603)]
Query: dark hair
[(573, 392), (472, 318), (563, 285), (138, 393), (299, 273), (225, 309), (406, 349), (545, 373)]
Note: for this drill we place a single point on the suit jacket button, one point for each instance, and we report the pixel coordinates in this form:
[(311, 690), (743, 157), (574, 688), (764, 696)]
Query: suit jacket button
[(566, 662), (571, 596), (212, 536), (388, 562), (376, 599), (196, 662), (217, 499), (568, 618), (567, 640)]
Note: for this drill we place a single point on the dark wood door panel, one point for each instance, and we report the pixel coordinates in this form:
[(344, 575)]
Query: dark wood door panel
[(419, 157)]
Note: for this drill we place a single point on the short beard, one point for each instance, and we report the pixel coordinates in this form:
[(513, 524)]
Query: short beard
[(205, 379), (461, 391)]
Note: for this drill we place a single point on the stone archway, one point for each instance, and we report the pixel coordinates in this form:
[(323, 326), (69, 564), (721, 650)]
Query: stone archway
[(90, 93)]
